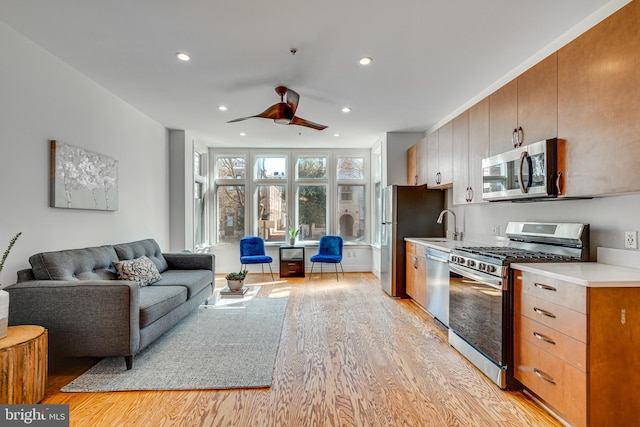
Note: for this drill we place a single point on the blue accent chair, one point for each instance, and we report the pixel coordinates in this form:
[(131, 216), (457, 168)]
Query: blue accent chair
[(252, 252), (329, 251)]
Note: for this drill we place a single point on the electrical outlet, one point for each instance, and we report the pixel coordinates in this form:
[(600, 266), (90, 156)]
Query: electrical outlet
[(631, 239)]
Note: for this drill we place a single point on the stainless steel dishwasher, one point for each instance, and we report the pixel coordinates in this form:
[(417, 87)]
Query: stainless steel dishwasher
[(438, 284)]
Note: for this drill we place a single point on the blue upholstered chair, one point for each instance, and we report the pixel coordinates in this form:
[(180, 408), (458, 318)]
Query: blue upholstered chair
[(252, 252), (329, 251)]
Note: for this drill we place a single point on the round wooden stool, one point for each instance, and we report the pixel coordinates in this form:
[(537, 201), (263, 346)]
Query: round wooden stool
[(23, 365)]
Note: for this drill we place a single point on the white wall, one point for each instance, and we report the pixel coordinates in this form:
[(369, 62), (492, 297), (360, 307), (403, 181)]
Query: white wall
[(41, 98)]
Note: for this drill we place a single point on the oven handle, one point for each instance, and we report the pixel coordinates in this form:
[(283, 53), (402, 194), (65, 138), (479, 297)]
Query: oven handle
[(493, 282)]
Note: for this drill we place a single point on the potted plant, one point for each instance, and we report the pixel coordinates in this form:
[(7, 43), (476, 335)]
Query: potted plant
[(235, 281), (4, 295), (293, 233)]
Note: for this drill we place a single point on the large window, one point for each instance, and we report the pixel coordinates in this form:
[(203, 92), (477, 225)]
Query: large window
[(319, 193), (199, 200), (270, 202), (230, 198), (351, 220)]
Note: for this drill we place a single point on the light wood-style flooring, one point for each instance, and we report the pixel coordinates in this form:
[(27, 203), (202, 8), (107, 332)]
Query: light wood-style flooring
[(349, 356)]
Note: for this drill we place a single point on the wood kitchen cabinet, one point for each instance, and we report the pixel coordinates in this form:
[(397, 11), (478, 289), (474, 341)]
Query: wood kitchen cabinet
[(412, 171), (440, 157), (416, 273), (525, 110), (417, 163), (470, 146), (598, 107), (573, 348)]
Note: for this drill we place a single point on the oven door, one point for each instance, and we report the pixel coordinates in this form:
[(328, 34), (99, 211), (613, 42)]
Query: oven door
[(478, 305)]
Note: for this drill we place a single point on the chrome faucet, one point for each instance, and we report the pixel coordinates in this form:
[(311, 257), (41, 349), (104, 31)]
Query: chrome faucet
[(456, 235)]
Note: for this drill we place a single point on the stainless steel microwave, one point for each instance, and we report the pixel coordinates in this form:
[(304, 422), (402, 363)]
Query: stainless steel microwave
[(526, 172)]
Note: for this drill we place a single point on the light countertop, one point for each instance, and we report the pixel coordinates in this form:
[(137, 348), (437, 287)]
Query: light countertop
[(446, 245), (592, 274)]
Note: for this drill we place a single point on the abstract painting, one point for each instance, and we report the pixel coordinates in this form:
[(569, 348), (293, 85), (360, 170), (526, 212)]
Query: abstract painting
[(80, 179)]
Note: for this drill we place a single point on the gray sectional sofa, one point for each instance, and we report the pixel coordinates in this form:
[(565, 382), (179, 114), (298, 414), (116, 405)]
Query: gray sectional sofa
[(78, 296)]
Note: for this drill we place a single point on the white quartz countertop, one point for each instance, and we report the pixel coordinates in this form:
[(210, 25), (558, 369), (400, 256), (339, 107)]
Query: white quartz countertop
[(442, 243), (592, 274)]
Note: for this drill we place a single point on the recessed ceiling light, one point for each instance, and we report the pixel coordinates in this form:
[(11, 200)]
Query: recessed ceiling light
[(183, 56), (243, 134), (366, 60), (222, 107), (346, 109), (336, 134)]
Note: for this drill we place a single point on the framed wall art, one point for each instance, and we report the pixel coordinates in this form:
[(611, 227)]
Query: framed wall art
[(80, 179)]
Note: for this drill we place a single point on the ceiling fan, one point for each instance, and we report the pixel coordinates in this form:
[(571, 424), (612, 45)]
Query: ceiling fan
[(284, 112)]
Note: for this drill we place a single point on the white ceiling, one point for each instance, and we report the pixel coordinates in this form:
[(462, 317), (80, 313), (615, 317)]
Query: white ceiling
[(430, 58)]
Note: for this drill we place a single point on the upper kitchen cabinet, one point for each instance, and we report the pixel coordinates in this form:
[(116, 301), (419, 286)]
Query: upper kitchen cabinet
[(461, 191), (525, 110), (503, 117), (440, 157), (599, 107), (412, 171), (417, 163), (470, 146)]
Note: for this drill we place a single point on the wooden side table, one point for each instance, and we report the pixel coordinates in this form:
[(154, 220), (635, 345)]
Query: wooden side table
[(291, 261), (23, 364)]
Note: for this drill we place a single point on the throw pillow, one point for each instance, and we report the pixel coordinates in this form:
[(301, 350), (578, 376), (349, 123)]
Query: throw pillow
[(141, 270)]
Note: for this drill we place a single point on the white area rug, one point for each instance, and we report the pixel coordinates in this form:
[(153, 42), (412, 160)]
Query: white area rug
[(209, 349)]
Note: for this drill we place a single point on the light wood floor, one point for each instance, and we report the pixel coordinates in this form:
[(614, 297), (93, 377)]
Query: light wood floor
[(349, 356)]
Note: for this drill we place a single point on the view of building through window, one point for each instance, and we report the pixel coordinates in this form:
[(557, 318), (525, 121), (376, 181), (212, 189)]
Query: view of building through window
[(283, 195), (230, 198)]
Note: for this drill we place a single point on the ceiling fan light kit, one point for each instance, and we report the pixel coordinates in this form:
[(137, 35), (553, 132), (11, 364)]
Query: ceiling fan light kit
[(284, 112)]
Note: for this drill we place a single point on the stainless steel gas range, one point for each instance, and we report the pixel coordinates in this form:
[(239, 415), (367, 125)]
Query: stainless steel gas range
[(481, 299)]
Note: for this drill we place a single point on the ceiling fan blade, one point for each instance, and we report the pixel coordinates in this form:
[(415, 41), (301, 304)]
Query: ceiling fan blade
[(240, 119), (292, 99), (302, 122), (276, 111)]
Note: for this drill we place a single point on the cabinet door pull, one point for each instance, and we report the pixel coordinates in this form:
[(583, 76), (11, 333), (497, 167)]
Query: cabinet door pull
[(514, 138), (544, 338), (558, 181), (470, 194), (543, 376), (415, 262), (545, 287), (520, 136), (544, 312)]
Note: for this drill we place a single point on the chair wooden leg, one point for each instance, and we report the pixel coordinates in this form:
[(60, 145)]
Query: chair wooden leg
[(342, 269), (336, 266)]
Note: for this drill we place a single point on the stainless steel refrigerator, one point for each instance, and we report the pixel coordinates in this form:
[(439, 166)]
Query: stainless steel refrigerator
[(407, 211)]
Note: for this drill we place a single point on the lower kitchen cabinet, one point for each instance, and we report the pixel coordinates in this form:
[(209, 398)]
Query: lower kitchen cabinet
[(574, 348), (416, 273)]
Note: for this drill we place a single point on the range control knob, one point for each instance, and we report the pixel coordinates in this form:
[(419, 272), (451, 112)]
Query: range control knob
[(471, 263), (482, 266), (491, 268)]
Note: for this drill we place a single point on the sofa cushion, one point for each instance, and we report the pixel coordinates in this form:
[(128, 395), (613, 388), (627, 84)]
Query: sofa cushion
[(194, 280), (93, 263), (156, 301), (140, 270), (146, 247)]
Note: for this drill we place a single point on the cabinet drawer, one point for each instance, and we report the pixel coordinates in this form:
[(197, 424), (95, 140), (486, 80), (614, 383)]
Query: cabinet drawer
[(562, 319), (291, 268), (565, 387), (558, 292), (560, 345)]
